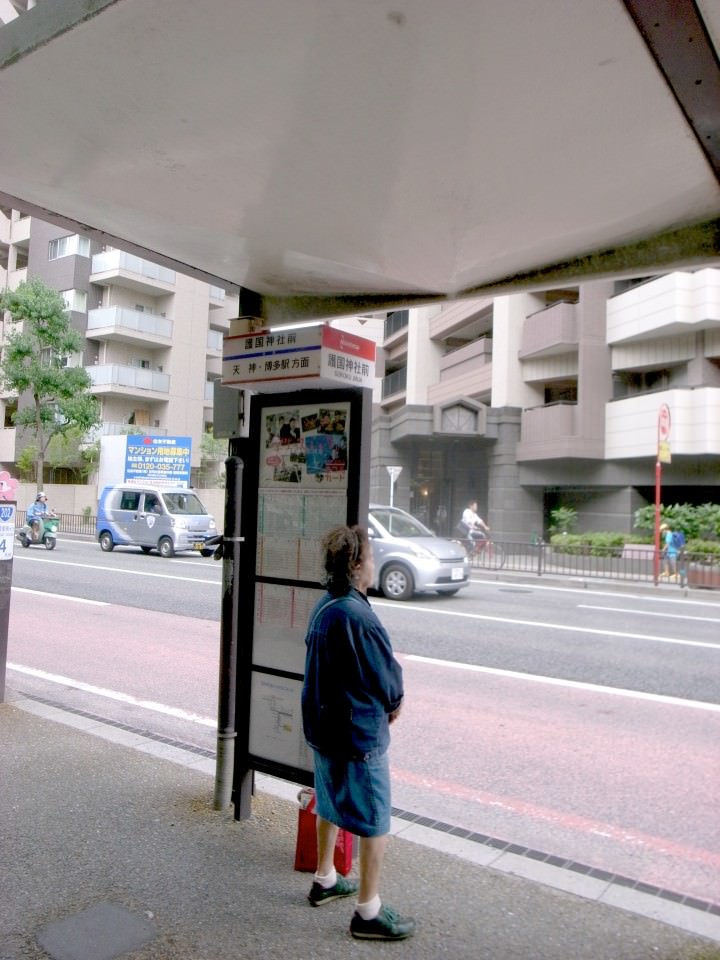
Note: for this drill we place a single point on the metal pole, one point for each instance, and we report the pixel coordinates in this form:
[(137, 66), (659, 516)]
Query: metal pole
[(658, 483), (228, 635)]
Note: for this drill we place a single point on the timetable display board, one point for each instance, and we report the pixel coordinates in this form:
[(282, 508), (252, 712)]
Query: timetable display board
[(312, 475)]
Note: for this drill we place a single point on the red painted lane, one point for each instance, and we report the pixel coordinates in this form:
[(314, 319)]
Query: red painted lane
[(626, 785), (154, 656)]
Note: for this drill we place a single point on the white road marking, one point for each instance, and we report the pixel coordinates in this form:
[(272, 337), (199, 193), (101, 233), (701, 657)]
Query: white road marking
[(61, 596), (114, 695), (134, 573), (649, 613), (554, 626), (573, 684)]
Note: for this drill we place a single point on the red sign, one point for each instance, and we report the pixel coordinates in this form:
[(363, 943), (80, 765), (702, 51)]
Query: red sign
[(664, 422)]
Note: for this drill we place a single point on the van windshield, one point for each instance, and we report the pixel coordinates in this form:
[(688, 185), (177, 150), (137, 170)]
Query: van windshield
[(183, 503)]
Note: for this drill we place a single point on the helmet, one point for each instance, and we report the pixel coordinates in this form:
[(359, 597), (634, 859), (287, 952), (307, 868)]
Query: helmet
[(41, 496), (664, 526)]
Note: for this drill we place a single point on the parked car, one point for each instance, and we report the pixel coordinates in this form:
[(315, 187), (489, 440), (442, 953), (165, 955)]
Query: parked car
[(410, 559)]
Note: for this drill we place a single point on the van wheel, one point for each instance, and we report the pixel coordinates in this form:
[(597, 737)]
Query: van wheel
[(396, 582), (106, 541), (146, 549), (166, 548)]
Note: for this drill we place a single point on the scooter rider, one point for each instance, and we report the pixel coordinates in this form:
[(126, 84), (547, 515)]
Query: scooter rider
[(35, 512)]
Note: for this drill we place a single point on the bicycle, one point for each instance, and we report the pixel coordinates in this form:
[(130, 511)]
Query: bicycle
[(485, 553)]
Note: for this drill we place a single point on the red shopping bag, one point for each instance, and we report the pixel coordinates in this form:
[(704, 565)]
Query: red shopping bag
[(306, 846)]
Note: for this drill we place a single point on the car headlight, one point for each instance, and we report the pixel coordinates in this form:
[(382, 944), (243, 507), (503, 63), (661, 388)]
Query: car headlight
[(212, 525), (422, 552)]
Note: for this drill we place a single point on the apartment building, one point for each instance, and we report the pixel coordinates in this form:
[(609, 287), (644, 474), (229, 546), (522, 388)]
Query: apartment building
[(530, 401), (153, 337)]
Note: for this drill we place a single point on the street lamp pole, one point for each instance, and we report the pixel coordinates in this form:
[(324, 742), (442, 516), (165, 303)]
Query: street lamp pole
[(394, 474)]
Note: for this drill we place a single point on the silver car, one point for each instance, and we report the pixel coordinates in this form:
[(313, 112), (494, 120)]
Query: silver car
[(410, 559)]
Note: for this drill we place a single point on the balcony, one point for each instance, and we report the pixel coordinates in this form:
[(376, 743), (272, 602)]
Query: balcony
[(214, 344), (209, 393), (115, 267), (678, 303), (396, 321), (464, 372), (16, 277), (394, 384), (550, 331), (115, 379), (116, 429), (631, 424), (217, 297), (124, 325), (466, 318), (548, 432), (7, 444)]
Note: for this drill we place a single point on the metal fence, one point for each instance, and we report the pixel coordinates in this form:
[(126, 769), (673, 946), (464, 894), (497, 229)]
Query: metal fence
[(635, 562), (631, 562), (76, 523)]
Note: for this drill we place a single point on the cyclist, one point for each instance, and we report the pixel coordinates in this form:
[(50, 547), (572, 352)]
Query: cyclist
[(474, 526)]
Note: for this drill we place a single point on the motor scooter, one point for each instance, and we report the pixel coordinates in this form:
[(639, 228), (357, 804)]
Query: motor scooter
[(46, 533)]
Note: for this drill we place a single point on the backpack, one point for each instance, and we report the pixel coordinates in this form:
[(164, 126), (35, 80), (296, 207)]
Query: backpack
[(678, 539)]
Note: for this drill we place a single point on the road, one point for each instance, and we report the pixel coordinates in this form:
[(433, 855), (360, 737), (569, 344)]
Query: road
[(580, 723)]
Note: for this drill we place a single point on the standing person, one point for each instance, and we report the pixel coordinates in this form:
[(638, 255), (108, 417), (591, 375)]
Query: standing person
[(476, 527), (352, 692), (673, 543)]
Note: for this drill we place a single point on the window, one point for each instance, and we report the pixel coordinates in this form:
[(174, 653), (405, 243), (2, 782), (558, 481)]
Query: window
[(75, 300), (628, 383), (74, 245), (130, 500), (561, 392)]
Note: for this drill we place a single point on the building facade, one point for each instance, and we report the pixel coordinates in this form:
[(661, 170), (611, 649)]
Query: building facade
[(523, 402), (536, 400), (153, 337)]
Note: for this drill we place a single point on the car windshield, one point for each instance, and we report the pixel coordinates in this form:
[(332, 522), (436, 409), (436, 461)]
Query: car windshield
[(183, 503), (398, 523)]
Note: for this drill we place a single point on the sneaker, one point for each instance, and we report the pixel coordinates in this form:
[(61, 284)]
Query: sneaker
[(343, 888), (387, 925)]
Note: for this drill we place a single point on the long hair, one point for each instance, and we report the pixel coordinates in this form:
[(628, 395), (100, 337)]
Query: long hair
[(344, 548)]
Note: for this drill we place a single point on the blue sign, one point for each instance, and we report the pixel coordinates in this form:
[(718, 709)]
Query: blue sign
[(162, 460)]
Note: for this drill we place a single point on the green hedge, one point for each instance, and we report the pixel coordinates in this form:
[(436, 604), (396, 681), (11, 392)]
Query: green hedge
[(606, 544)]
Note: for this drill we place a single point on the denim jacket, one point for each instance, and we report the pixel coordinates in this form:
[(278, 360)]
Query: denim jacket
[(352, 679)]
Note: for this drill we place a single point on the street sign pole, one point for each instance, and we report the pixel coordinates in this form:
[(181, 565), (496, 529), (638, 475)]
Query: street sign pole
[(663, 456)]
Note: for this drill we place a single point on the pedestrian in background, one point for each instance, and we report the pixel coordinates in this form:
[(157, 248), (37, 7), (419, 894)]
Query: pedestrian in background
[(353, 691)]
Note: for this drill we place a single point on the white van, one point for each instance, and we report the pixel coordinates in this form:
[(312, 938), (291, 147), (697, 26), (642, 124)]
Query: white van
[(167, 519)]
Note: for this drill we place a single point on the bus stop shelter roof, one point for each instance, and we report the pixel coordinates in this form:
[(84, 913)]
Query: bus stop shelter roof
[(337, 156)]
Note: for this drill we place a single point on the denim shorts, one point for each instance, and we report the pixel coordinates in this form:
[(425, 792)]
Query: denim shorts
[(354, 794)]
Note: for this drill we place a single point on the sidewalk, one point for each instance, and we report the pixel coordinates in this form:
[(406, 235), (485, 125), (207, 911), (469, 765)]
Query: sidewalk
[(110, 848)]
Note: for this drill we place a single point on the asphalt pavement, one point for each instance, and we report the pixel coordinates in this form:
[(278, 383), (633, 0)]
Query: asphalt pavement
[(110, 847)]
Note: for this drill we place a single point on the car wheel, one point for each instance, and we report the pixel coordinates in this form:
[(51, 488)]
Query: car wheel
[(106, 541), (397, 582), (166, 547)]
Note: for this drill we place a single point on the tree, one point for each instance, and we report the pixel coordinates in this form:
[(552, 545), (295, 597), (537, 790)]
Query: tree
[(71, 451), (38, 344)]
